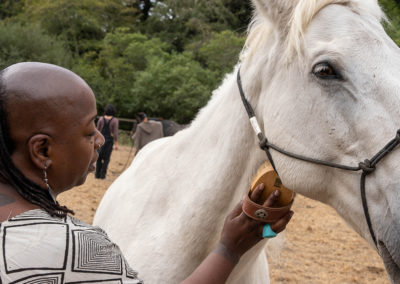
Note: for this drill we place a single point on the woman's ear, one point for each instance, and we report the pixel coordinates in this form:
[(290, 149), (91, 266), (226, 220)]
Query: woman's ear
[(39, 148)]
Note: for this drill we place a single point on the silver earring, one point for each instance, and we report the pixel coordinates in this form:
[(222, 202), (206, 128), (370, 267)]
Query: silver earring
[(45, 178), (46, 182)]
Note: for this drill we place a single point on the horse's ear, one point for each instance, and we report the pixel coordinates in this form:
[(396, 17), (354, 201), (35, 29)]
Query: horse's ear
[(277, 12)]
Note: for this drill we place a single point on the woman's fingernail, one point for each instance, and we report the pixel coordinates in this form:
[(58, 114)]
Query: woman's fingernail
[(276, 193), (261, 186)]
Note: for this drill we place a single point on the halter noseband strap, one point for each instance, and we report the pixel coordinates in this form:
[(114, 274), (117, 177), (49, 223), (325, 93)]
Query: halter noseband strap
[(367, 167)]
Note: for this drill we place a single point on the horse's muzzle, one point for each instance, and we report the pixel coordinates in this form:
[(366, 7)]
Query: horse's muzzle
[(391, 258)]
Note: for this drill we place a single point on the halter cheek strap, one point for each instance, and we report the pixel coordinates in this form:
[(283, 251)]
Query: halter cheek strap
[(367, 166)]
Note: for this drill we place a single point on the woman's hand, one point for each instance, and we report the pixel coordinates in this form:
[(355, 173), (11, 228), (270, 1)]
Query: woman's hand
[(240, 232)]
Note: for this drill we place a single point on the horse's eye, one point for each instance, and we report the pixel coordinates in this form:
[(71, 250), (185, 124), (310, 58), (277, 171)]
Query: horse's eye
[(325, 71)]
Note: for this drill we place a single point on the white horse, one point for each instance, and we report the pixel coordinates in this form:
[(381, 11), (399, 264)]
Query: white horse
[(323, 79)]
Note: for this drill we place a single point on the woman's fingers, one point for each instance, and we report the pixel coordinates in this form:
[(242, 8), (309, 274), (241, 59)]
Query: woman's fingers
[(256, 196), (272, 198), (257, 193), (236, 211), (280, 225)]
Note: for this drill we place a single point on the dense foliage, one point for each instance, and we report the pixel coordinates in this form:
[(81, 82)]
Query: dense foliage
[(163, 57)]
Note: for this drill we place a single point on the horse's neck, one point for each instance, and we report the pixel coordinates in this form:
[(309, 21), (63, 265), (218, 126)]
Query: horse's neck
[(225, 145), (222, 154)]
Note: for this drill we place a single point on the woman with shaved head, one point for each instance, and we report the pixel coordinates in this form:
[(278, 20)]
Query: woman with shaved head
[(48, 144)]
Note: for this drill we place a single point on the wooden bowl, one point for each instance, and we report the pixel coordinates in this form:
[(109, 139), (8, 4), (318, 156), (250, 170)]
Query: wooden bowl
[(266, 174)]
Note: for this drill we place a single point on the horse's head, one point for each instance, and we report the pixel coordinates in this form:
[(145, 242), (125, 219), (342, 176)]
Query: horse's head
[(323, 78)]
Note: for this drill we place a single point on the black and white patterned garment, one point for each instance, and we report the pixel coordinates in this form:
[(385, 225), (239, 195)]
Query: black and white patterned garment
[(37, 248)]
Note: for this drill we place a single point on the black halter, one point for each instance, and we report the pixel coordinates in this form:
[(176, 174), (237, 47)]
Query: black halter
[(367, 167)]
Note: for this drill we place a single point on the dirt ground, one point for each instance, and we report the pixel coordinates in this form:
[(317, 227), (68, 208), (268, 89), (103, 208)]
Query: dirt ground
[(318, 247)]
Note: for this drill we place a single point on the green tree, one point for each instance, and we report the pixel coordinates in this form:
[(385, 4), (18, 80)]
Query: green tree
[(392, 10), (242, 11), (221, 52), (10, 8), (122, 56), (83, 24), (176, 87), (179, 22), (144, 6), (29, 43), (91, 74)]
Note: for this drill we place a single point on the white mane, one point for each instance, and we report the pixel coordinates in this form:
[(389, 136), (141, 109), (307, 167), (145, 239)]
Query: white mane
[(261, 28)]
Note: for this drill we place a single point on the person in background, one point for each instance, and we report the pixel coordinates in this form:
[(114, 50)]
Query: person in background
[(146, 131), (108, 126)]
